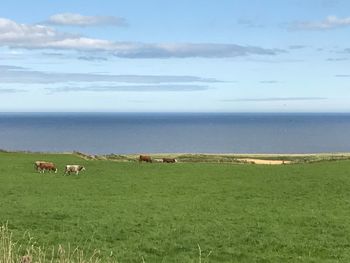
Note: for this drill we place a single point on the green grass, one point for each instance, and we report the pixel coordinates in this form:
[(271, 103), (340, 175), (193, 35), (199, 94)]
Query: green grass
[(162, 212)]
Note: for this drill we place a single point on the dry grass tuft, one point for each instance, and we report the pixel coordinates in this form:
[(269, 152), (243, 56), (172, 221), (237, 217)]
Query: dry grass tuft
[(11, 252)]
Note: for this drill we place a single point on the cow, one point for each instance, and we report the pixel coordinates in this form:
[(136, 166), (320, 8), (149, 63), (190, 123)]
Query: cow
[(37, 163), (73, 168), (46, 166), (145, 158), (169, 160)]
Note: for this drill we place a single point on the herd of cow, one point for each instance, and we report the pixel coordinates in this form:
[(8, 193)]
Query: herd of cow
[(42, 166), (148, 159)]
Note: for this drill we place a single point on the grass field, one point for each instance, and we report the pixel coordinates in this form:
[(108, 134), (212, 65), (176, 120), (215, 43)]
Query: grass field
[(165, 212)]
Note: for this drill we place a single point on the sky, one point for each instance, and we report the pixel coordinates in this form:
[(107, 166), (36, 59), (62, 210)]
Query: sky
[(175, 56)]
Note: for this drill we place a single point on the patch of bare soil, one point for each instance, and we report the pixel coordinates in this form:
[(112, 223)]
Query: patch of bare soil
[(261, 161)]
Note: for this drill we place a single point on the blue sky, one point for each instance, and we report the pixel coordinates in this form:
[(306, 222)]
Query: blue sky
[(175, 56)]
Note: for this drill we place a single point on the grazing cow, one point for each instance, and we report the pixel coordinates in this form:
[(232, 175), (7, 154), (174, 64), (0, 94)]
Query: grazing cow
[(73, 168), (145, 158), (37, 163), (169, 160), (46, 166)]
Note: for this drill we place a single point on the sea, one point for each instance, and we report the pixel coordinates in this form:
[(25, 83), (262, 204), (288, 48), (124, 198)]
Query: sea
[(127, 133)]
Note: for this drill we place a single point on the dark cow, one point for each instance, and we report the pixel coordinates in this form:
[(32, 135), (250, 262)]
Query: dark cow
[(73, 168), (169, 160), (145, 158), (46, 166)]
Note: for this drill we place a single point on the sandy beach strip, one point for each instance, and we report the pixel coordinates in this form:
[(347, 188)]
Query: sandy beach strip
[(261, 161)]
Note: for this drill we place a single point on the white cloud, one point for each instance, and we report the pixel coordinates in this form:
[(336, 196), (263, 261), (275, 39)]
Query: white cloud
[(184, 50), (269, 81), (343, 76), (70, 19), (274, 99), (337, 59), (92, 58), (297, 46), (16, 35), (2, 90), (131, 88), (13, 74), (329, 23), (249, 23)]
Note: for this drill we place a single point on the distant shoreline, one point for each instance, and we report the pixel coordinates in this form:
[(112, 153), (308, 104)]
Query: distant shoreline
[(234, 158)]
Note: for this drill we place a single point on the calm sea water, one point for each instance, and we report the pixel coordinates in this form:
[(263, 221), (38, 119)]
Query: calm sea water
[(192, 133)]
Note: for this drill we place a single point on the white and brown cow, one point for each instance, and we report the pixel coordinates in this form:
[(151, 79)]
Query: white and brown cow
[(37, 164), (73, 168), (42, 166), (169, 160)]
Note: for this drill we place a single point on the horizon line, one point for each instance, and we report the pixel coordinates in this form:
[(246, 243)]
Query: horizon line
[(176, 112)]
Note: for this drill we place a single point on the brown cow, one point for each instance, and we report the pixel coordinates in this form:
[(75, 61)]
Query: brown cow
[(37, 163), (169, 160), (47, 166), (145, 158)]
